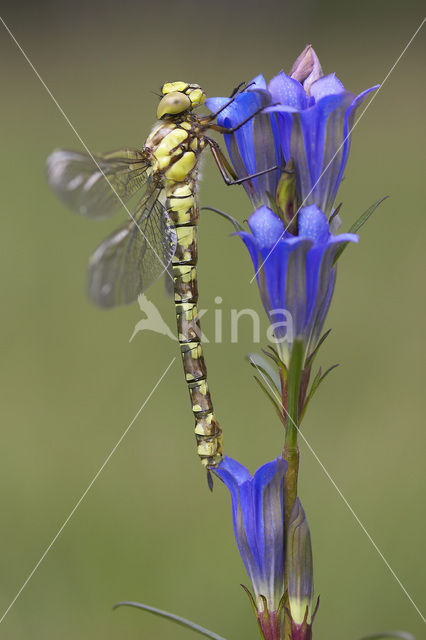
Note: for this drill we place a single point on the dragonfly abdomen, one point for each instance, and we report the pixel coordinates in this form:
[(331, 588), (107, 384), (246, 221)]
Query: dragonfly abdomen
[(182, 208)]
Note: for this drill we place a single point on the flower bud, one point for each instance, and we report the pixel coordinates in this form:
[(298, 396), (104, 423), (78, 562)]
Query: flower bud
[(307, 68), (299, 566), (286, 195)]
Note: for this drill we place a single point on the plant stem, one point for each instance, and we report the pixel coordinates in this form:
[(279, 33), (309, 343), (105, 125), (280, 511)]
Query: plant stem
[(291, 455), (293, 392), (291, 449)]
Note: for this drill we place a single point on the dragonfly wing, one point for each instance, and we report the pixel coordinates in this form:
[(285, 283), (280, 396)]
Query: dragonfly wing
[(97, 187), (133, 257), (169, 285)]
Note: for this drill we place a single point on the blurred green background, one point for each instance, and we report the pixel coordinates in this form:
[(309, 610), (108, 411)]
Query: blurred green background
[(70, 381)]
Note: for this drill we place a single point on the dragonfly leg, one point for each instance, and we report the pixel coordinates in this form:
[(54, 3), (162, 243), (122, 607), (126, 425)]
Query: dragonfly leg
[(222, 162), (229, 130), (236, 92), (226, 170)]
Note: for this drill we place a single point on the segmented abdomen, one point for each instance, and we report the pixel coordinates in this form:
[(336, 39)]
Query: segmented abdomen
[(183, 209)]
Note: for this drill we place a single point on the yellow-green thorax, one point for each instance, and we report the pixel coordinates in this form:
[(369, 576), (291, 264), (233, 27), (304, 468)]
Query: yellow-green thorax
[(176, 141)]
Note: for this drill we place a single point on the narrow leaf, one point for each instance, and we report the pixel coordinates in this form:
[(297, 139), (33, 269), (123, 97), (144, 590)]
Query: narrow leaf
[(335, 213), (237, 225), (358, 224), (271, 398), (314, 386), (259, 361), (267, 379), (273, 355), (253, 604), (250, 597), (310, 359), (174, 618), (365, 216), (327, 372)]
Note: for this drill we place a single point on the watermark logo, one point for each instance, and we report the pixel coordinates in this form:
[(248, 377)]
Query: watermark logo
[(280, 329), (153, 320)]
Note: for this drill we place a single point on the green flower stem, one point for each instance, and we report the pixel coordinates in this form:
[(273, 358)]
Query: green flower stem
[(291, 455), (293, 382), (291, 449)]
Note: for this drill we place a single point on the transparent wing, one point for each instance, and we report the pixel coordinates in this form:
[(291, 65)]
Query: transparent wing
[(81, 183), (169, 285), (133, 257)]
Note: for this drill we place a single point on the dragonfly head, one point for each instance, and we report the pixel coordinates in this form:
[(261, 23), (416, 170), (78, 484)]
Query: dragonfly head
[(179, 97)]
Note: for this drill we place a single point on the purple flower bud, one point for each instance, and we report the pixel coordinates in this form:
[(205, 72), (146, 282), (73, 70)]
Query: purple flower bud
[(300, 575), (307, 68)]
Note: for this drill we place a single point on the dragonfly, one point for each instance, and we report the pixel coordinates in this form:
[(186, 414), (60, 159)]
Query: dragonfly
[(161, 234)]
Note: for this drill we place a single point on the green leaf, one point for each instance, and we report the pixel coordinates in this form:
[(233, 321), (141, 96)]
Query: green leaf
[(365, 216), (387, 635), (314, 386), (335, 213), (333, 366), (310, 359), (174, 618), (253, 605), (237, 225), (358, 224), (272, 354), (270, 396), (260, 362)]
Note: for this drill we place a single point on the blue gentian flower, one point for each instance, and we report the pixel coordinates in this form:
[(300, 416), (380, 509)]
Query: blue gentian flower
[(314, 132), (255, 146), (257, 510), (314, 114), (295, 273)]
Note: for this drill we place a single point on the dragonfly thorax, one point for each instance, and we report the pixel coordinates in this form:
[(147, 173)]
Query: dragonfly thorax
[(175, 149)]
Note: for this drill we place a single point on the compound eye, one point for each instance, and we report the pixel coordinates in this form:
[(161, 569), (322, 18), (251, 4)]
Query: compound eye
[(172, 104)]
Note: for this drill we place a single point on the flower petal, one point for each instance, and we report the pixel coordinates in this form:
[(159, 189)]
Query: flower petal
[(258, 82), (287, 92), (266, 227), (325, 86), (349, 119), (214, 104), (313, 223)]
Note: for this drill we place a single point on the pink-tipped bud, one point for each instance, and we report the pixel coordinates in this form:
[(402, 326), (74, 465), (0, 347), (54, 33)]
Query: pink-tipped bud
[(307, 68), (300, 578)]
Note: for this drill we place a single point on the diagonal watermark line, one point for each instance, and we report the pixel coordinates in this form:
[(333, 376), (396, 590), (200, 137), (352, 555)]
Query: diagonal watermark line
[(90, 154), (345, 139), (84, 494), (333, 482)]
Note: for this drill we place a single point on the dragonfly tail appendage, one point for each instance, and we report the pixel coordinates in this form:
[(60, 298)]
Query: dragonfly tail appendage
[(207, 430)]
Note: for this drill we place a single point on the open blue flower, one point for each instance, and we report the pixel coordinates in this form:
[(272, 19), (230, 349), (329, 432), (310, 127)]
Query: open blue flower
[(295, 274), (314, 131), (257, 510), (256, 145), (314, 115)]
